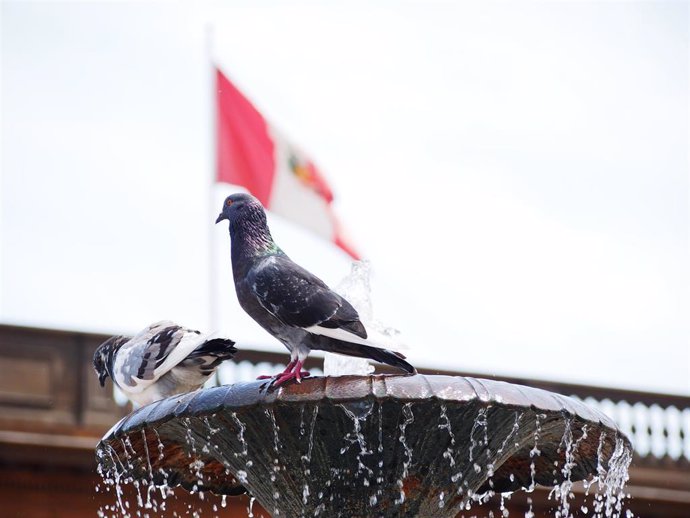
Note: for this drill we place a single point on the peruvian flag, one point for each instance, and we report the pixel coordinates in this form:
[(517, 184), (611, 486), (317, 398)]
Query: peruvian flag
[(254, 155)]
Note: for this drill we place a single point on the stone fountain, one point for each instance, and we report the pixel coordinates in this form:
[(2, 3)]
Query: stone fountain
[(365, 446)]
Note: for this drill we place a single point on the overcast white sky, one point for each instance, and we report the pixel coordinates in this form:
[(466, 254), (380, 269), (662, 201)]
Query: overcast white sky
[(517, 173)]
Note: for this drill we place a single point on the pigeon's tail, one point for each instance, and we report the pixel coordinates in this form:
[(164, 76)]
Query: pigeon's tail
[(212, 352), (333, 345)]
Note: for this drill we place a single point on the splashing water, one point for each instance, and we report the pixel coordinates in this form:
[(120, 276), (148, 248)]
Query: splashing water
[(244, 452), (306, 458), (409, 418), (150, 486), (562, 491), (358, 412), (513, 432), (276, 460), (356, 289), (479, 424), (445, 425), (611, 482), (535, 452)]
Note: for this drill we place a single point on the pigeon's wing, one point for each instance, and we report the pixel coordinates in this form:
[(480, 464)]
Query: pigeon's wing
[(300, 299), (152, 353), (207, 356)]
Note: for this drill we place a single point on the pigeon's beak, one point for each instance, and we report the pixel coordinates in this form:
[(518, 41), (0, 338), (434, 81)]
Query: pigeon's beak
[(221, 217)]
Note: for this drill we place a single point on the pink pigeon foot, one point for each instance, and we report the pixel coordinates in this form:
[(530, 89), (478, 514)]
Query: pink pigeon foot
[(287, 370), (296, 373)]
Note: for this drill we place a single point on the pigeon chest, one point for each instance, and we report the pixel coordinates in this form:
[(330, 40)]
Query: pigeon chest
[(250, 303)]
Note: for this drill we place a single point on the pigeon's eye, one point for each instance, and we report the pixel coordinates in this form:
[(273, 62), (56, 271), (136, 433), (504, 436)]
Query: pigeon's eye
[(228, 202)]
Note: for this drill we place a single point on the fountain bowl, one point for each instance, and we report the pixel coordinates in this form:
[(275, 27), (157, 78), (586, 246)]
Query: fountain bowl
[(377, 445)]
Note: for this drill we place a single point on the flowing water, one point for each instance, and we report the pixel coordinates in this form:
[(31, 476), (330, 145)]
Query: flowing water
[(356, 289)]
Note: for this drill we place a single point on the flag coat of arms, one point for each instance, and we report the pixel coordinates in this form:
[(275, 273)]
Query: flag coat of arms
[(251, 153)]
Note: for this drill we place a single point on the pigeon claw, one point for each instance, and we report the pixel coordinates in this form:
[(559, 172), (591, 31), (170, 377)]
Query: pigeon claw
[(276, 376), (290, 376), (293, 371)]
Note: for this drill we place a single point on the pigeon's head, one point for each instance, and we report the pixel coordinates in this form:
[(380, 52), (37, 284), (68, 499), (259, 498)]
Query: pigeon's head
[(238, 205), (104, 355)]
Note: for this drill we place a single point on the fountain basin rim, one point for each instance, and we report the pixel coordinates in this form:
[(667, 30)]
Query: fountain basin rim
[(350, 389)]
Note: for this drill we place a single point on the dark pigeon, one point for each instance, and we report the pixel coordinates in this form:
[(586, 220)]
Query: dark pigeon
[(289, 302), (160, 361)]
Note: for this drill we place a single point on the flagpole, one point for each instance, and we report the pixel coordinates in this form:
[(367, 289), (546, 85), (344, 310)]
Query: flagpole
[(214, 314)]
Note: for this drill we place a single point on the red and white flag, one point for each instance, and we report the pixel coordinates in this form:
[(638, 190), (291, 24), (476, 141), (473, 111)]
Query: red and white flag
[(254, 155)]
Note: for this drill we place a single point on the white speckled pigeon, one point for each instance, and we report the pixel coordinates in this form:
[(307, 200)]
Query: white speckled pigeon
[(289, 302), (162, 360)]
